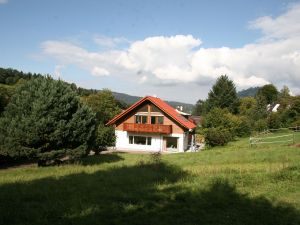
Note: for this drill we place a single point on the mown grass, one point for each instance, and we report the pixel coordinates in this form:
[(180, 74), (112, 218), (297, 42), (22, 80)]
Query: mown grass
[(232, 185)]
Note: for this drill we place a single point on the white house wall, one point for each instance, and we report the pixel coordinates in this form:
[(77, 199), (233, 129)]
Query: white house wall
[(122, 141)]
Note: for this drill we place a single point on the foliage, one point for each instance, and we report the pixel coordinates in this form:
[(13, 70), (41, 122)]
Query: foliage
[(200, 108), (217, 136), (5, 94), (223, 95), (260, 125), (274, 120), (260, 111), (103, 104), (11, 76), (268, 92), (44, 115), (223, 119), (289, 110), (244, 127), (284, 92), (104, 137), (247, 106)]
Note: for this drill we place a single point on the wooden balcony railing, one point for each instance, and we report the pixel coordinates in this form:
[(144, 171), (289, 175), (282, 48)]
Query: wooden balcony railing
[(148, 128)]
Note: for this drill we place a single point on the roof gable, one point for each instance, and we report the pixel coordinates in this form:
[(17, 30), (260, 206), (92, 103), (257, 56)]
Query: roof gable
[(163, 106)]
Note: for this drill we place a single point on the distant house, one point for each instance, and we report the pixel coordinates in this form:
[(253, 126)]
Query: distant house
[(273, 108), (151, 124)]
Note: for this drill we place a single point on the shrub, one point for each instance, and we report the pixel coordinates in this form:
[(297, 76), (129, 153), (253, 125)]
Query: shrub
[(244, 127), (217, 136), (260, 125), (104, 137), (223, 119), (274, 120)]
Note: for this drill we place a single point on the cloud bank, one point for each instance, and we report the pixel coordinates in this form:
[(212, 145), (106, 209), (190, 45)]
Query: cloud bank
[(178, 59)]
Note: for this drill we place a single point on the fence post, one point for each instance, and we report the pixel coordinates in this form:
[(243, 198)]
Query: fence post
[(293, 138)]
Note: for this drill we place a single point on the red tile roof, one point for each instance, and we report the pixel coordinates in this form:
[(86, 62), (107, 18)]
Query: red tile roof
[(163, 106)]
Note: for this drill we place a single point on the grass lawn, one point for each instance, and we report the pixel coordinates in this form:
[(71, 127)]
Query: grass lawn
[(230, 185)]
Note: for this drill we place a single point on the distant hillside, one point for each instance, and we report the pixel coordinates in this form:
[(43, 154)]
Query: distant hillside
[(130, 99), (249, 92), (10, 77)]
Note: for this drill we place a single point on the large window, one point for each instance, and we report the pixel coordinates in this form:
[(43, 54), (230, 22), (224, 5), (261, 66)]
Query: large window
[(171, 143), (140, 140), (157, 119), (140, 119)]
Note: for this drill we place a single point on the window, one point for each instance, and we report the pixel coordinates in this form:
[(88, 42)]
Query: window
[(153, 119), (140, 140), (160, 119), (157, 119), (171, 143), (130, 139), (140, 119), (149, 140)]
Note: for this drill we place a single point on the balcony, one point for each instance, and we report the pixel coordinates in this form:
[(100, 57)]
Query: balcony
[(148, 128)]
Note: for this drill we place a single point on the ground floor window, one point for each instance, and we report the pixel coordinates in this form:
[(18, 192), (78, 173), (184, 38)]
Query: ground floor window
[(140, 140), (171, 143)]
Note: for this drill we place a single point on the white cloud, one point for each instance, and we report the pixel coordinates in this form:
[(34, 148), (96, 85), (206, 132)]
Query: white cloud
[(180, 59), (97, 71), (284, 26), (3, 1), (109, 42)]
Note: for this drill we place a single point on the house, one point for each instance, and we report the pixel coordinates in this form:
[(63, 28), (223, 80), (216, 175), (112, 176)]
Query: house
[(151, 124)]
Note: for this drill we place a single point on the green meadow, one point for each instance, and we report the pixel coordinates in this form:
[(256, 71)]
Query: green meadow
[(235, 184)]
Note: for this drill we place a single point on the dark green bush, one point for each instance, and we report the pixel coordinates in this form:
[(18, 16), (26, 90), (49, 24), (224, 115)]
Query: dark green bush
[(274, 120), (244, 127), (217, 136), (260, 125), (104, 137)]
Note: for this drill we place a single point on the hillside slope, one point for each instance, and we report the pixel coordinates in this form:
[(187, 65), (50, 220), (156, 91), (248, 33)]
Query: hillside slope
[(232, 185)]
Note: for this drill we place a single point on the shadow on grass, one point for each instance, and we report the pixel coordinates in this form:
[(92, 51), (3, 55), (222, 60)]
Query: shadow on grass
[(141, 194), (99, 159)]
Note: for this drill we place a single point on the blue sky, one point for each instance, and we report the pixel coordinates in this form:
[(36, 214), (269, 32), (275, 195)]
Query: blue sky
[(173, 49)]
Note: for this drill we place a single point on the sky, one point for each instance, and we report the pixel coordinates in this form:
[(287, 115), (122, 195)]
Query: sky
[(172, 49)]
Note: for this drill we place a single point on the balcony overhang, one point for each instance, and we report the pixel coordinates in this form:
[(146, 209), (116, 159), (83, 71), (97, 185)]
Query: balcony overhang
[(147, 128)]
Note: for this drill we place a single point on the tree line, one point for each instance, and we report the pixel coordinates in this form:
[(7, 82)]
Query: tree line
[(227, 116)]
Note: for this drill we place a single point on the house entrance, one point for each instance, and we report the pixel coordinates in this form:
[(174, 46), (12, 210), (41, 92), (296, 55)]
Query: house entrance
[(170, 143)]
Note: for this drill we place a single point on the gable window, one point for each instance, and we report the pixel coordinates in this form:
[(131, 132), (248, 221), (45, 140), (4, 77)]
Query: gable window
[(140, 119), (140, 140), (157, 119)]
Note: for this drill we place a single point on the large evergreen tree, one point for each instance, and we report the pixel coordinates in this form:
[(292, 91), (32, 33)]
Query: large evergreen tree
[(45, 115), (223, 95)]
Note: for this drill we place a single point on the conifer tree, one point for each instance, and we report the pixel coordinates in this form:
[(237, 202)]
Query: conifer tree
[(223, 95), (45, 116)]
